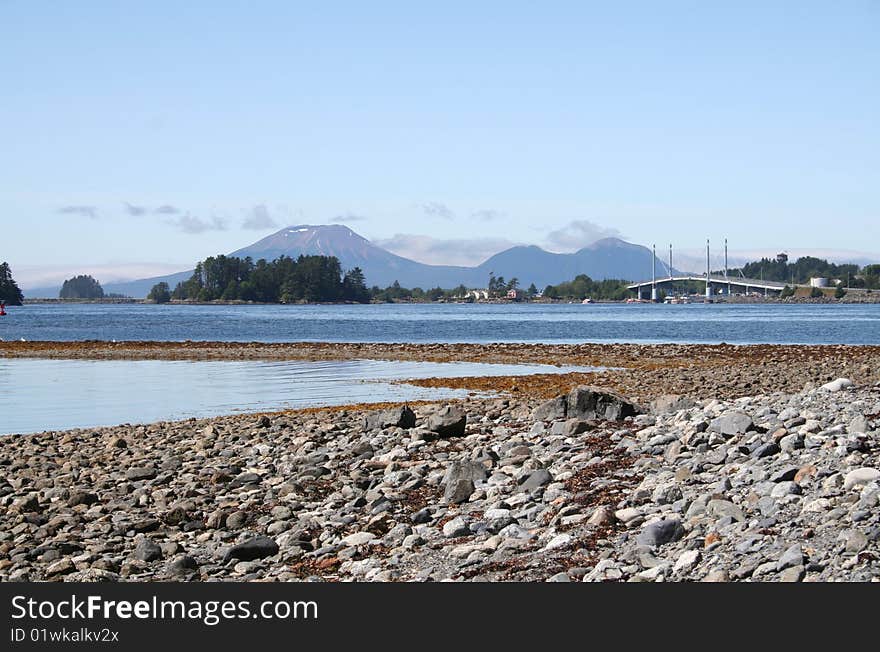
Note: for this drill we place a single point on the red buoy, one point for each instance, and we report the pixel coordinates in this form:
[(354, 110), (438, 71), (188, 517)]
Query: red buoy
[(2, 308)]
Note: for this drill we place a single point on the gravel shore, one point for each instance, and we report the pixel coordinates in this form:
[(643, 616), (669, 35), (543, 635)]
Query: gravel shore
[(692, 463)]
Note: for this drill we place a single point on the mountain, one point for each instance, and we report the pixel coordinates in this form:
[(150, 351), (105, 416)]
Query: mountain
[(607, 258), (380, 267)]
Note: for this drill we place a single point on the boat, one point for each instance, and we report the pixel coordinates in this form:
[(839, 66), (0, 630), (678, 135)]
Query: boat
[(588, 300)]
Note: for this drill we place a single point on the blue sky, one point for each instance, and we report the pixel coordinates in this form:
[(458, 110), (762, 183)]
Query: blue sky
[(143, 136)]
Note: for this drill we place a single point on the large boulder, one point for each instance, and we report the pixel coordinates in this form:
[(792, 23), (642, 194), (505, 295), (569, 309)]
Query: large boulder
[(659, 532), (448, 422), (731, 423), (256, 548), (459, 481), (553, 409), (585, 403), (402, 417)]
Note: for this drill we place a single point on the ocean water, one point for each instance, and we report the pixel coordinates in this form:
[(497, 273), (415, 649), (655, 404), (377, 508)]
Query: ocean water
[(38, 395), (558, 323)]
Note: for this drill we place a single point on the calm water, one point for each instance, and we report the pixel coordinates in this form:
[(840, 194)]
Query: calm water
[(707, 323), (37, 395)]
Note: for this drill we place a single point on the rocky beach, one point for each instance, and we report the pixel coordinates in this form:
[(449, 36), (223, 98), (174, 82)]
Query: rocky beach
[(677, 463)]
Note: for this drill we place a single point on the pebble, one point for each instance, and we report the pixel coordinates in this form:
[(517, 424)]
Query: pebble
[(767, 487)]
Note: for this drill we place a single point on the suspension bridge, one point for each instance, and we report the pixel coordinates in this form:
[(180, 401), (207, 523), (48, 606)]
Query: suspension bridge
[(723, 284)]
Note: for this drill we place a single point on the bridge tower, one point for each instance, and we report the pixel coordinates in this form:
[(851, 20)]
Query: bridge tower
[(708, 272), (725, 267), (654, 273)]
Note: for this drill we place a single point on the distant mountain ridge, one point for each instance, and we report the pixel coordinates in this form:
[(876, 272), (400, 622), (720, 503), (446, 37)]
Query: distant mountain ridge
[(606, 258)]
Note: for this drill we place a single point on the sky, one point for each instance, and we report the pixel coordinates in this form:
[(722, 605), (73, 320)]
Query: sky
[(141, 137)]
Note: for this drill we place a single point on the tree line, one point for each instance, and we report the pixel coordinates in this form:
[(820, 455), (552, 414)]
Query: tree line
[(582, 287), (803, 269), (308, 279)]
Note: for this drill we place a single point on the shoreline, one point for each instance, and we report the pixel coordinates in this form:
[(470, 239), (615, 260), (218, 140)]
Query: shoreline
[(641, 371), (730, 464)]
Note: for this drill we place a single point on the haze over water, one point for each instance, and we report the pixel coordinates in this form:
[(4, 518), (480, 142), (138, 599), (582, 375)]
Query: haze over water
[(550, 323)]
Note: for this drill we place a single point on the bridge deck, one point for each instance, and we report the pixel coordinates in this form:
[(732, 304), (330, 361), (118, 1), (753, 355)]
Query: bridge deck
[(715, 279)]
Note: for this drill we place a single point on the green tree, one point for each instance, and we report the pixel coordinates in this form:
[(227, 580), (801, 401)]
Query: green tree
[(160, 293), (582, 286), (9, 290), (787, 291), (354, 286), (532, 291), (816, 293), (840, 292), (81, 287)]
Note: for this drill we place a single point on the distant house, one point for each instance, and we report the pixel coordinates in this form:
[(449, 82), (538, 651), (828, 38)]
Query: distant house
[(516, 295)]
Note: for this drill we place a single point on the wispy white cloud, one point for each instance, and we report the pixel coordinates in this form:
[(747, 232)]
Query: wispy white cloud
[(437, 209), (82, 211), (259, 219), (191, 224), (135, 211), (577, 235), (487, 215)]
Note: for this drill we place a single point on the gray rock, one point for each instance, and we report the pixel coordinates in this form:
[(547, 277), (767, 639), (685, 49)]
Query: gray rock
[(448, 422), (555, 408), (140, 473), (793, 574), (458, 490), (236, 520), (856, 541), (147, 550), (859, 424), (358, 538), (465, 470), (588, 402), (837, 385), (559, 577), (457, 527), (574, 427), (244, 479), (793, 556), (666, 494), (402, 417), (181, 566), (660, 532), (861, 476), (785, 475), (766, 450), (731, 423), (256, 548), (536, 479), (82, 498), (721, 508)]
